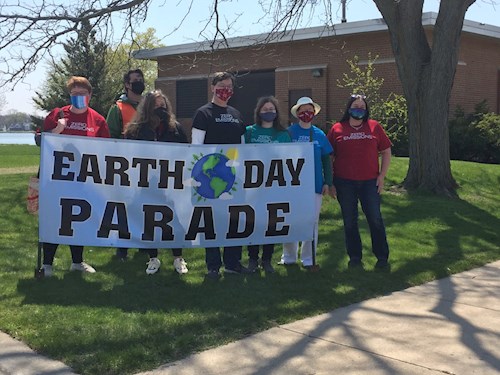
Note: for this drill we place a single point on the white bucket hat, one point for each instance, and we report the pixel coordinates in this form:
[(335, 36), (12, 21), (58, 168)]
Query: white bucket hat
[(302, 101)]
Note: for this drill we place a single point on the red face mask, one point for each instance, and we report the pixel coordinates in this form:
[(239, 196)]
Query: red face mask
[(224, 93), (306, 116)]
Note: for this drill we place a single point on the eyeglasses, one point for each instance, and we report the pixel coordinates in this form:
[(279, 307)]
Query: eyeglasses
[(358, 96)]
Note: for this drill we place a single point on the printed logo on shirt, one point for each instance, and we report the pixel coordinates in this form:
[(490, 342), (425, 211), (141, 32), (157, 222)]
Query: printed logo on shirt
[(261, 138), (226, 117), (357, 136), (305, 138), (81, 126)]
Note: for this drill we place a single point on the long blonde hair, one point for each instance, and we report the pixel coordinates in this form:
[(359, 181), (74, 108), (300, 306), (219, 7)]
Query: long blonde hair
[(145, 114)]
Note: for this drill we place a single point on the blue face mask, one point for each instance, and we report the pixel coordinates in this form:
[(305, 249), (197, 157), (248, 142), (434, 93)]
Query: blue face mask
[(79, 101), (357, 113), (267, 116)]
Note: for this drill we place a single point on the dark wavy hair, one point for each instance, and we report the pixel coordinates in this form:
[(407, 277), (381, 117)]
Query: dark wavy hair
[(145, 115), (351, 100), (260, 103)]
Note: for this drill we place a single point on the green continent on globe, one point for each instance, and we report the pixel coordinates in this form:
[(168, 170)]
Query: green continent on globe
[(210, 164), (218, 185)]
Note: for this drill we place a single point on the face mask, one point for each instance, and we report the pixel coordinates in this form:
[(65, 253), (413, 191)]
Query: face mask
[(224, 93), (162, 113), (357, 113), (137, 87), (306, 116), (79, 101), (268, 116)]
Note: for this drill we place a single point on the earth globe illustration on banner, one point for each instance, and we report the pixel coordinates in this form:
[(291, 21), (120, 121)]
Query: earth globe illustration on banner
[(214, 175)]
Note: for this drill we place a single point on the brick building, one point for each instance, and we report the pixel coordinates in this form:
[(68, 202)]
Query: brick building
[(308, 62)]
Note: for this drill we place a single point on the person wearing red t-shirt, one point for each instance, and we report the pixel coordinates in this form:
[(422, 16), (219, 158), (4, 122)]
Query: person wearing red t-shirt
[(358, 141), (74, 119)]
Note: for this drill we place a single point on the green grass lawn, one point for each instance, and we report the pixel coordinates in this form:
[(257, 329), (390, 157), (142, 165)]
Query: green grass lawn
[(121, 321)]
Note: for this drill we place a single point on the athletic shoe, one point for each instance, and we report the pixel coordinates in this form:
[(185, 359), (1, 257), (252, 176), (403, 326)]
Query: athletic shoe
[(239, 270), (382, 265), (180, 266), (355, 263), (282, 263), (47, 270), (82, 267), (266, 265), (213, 275), (153, 266), (253, 265)]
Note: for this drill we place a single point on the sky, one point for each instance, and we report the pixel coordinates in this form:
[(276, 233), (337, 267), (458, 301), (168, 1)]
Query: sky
[(244, 17)]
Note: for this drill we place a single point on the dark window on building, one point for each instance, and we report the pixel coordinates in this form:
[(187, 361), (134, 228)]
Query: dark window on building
[(249, 87), (293, 96), (190, 95)]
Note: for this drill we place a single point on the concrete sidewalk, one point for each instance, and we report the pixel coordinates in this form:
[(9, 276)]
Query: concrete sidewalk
[(448, 326)]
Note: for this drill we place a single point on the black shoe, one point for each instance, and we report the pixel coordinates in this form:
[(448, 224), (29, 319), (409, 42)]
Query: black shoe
[(382, 265), (267, 266), (239, 270), (355, 263), (253, 265), (121, 254), (213, 275)]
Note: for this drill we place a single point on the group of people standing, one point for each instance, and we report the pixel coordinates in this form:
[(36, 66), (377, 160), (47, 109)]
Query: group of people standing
[(346, 162)]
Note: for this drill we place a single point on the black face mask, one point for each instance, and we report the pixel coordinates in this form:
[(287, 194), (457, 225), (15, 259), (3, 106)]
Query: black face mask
[(162, 113), (137, 87)]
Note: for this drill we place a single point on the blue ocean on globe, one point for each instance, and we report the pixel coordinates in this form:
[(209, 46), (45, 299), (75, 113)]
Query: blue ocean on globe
[(214, 176)]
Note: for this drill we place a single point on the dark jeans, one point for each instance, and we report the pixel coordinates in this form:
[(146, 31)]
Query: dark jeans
[(349, 192), (231, 257), (267, 251), (49, 251)]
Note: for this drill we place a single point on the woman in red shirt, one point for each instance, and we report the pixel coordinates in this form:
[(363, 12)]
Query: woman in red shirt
[(357, 142)]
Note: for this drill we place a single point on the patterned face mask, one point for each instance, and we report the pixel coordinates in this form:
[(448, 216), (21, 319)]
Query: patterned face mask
[(306, 116), (357, 113), (79, 101), (224, 93)]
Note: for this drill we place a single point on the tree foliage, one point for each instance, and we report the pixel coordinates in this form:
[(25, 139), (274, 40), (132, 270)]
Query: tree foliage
[(391, 112), (86, 57)]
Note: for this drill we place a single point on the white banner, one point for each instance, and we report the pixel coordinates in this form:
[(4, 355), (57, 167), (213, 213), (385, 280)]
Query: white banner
[(139, 194)]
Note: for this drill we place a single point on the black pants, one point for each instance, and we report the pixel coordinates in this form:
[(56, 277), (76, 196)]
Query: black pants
[(49, 251), (267, 251)]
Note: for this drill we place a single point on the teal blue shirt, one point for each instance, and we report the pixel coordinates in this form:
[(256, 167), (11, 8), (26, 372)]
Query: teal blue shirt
[(257, 134)]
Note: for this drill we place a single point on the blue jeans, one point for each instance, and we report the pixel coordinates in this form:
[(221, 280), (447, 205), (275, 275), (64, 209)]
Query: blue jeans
[(349, 192), (231, 257)]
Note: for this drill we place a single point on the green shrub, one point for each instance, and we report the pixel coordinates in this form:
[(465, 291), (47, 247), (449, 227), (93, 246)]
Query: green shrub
[(475, 136)]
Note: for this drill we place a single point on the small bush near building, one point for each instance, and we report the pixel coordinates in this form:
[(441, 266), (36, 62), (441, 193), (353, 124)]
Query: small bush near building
[(475, 136)]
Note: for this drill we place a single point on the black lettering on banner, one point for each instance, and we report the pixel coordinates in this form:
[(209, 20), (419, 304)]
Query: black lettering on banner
[(89, 160), (59, 164), (276, 173), (150, 222), (234, 221), (177, 174), (68, 217), (199, 214), (120, 170), (249, 165), (143, 169), (295, 171), (274, 219), (107, 224)]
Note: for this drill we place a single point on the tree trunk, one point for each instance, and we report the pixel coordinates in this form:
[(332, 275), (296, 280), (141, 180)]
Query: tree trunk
[(426, 74)]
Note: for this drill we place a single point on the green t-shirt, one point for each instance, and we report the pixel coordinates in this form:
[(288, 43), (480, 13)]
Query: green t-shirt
[(257, 134)]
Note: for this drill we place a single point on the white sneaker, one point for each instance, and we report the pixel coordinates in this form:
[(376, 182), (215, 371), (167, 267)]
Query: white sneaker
[(47, 270), (180, 265), (82, 267), (153, 266)]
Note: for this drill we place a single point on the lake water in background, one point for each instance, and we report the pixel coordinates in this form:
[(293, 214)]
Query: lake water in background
[(27, 138)]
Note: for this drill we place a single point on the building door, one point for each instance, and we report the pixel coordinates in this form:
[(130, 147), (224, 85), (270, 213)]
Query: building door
[(249, 87)]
